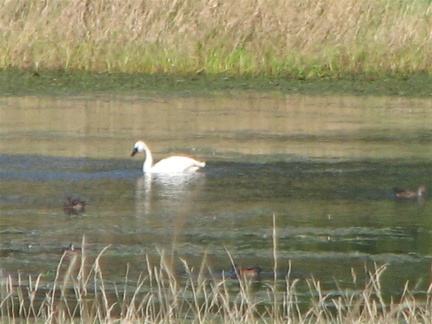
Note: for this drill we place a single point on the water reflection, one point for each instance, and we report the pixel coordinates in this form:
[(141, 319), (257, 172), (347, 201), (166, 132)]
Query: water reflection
[(143, 194), (271, 127), (175, 191)]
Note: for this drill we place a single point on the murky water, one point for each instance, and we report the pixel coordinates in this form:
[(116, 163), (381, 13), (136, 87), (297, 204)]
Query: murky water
[(323, 166)]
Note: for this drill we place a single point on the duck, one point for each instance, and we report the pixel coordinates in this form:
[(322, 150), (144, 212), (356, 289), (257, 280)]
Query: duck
[(170, 165), (246, 273), (72, 250), (73, 206), (409, 194)]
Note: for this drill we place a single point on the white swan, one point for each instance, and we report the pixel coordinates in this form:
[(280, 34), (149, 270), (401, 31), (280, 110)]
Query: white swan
[(172, 164)]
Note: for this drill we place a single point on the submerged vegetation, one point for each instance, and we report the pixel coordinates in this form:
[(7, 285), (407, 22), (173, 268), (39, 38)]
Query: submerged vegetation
[(80, 292), (306, 39)]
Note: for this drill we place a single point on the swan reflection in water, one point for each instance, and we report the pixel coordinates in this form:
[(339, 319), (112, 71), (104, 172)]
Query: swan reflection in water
[(167, 193)]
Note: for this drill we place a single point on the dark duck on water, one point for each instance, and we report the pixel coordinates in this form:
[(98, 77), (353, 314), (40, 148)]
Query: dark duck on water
[(73, 206)]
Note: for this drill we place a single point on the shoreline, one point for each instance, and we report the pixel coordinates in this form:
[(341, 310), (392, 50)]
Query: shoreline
[(14, 82)]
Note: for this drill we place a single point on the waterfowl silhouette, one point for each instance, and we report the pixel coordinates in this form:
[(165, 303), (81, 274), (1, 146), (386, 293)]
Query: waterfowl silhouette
[(172, 164), (73, 206), (246, 273), (410, 194), (72, 251)]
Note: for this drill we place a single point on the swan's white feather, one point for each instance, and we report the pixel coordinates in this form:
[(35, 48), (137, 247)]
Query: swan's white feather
[(177, 164), (172, 164)]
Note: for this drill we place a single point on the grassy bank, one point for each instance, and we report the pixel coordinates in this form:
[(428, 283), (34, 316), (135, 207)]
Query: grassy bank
[(288, 39), (80, 293)]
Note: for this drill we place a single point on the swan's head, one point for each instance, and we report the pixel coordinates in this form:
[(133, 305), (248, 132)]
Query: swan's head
[(138, 148)]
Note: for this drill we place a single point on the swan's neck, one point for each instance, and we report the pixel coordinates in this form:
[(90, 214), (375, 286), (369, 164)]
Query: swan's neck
[(148, 162)]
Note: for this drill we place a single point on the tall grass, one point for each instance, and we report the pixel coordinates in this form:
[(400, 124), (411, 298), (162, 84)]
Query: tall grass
[(158, 296), (312, 38)]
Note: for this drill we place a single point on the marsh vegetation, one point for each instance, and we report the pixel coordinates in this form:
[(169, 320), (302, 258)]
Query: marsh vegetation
[(81, 292), (305, 39)]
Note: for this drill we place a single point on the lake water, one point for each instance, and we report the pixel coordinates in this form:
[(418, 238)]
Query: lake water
[(322, 167)]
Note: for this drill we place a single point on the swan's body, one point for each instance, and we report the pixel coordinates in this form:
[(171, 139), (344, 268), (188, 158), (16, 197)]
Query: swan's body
[(172, 164)]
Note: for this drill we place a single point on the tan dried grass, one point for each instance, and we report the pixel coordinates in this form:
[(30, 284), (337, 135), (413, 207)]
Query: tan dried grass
[(298, 38), (157, 296)]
